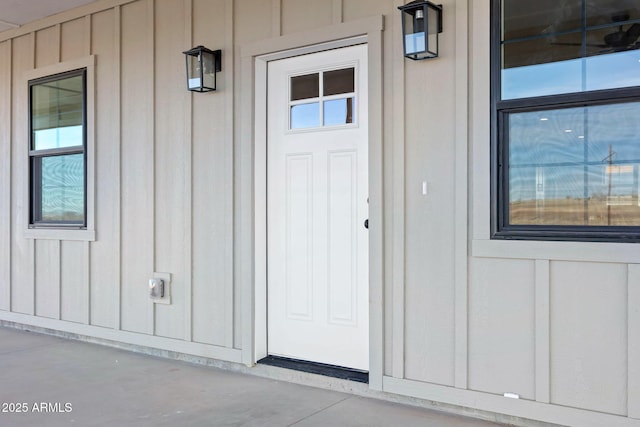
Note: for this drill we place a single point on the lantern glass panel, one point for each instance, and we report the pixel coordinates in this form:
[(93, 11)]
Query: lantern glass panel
[(414, 39), (195, 79), (208, 70), (433, 20)]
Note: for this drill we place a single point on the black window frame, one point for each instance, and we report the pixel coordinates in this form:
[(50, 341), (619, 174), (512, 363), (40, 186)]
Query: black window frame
[(500, 228), (35, 190)]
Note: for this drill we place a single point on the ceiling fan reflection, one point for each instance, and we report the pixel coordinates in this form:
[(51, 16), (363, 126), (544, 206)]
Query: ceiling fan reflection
[(617, 41)]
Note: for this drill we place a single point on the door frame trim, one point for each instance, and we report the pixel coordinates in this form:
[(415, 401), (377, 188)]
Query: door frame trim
[(251, 192)]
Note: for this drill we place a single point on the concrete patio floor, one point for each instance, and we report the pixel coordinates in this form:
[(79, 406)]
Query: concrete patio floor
[(61, 382)]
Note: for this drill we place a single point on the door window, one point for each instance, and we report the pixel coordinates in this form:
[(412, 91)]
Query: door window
[(323, 99)]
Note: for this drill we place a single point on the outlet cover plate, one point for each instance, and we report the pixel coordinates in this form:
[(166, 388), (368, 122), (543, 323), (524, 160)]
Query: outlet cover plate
[(166, 299)]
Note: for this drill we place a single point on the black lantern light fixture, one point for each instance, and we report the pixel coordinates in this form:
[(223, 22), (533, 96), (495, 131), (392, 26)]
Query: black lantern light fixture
[(421, 24), (202, 66)]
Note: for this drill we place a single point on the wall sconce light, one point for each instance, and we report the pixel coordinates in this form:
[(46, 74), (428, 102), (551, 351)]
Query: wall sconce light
[(202, 66), (421, 24)]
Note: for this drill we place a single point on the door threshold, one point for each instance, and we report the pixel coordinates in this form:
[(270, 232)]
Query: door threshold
[(317, 368)]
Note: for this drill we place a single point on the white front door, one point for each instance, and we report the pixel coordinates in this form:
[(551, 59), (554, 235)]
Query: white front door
[(317, 190)]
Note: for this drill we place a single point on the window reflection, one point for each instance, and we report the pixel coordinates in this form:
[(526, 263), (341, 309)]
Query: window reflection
[(582, 45), (69, 136), (338, 81), (575, 166), (304, 87), (305, 115), (62, 187), (56, 112), (338, 112)]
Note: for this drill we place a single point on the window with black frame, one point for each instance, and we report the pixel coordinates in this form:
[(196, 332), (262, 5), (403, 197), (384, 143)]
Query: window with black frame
[(57, 150), (566, 127)]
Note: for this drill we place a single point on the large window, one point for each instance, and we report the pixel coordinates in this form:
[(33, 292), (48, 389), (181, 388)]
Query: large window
[(57, 150), (566, 119)]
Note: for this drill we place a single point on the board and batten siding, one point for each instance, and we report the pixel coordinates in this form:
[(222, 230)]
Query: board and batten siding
[(163, 203), (465, 319)]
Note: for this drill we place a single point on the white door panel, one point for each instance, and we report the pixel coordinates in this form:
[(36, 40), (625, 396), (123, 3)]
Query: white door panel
[(317, 190)]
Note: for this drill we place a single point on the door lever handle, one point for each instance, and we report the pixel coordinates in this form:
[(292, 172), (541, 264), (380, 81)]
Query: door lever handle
[(366, 223)]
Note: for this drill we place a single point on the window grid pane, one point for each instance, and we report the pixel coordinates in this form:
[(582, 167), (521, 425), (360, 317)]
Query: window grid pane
[(575, 166), (61, 189), (582, 46), (57, 113), (305, 87), (338, 81)]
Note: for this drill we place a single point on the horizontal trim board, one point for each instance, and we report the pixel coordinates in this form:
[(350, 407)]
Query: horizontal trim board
[(336, 44), (316, 368), (498, 404), (60, 234), (190, 348), (620, 253)]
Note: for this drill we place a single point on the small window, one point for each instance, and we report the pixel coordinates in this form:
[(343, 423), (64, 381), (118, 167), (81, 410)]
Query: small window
[(566, 136), (57, 150), (323, 99)]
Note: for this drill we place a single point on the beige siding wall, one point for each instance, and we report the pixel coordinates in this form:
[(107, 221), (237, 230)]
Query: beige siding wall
[(5, 175), (105, 267), (557, 324), (138, 157), (552, 321), (588, 336), (502, 326), (22, 250)]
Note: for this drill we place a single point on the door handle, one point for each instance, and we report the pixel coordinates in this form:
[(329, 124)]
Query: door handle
[(366, 221)]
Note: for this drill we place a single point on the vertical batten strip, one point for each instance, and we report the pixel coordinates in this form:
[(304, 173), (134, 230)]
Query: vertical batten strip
[(633, 343), (397, 214), (91, 187), (243, 232), (461, 193), (542, 333), (58, 274), (58, 30), (376, 209), (276, 18), (228, 69), (188, 189), (32, 242), (117, 102), (337, 11), (88, 34), (86, 275), (151, 126), (10, 171), (57, 244)]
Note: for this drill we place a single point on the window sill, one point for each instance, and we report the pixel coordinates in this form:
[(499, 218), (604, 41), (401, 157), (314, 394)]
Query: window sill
[(60, 234), (557, 250)]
